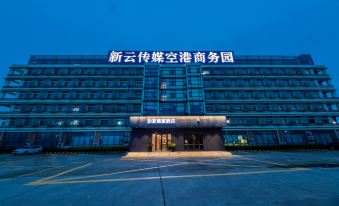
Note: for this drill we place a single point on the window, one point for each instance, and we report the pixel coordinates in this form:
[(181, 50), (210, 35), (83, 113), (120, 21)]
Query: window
[(123, 83), (122, 108), (124, 71), (137, 95), (196, 94), (138, 83), (137, 108), (193, 69), (111, 138), (150, 107), (74, 122), (122, 95), (150, 71), (59, 122), (92, 108), (76, 109), (120, 122), (170, 108), (196, 107), (194, 81), (105, 122), (83, 138)]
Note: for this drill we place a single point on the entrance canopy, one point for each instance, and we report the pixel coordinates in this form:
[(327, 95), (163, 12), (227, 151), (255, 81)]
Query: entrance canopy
[(177, 121)]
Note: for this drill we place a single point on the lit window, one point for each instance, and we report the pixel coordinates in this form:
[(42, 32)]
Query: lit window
[(76, 109), (163, 98), (74, 122), (120, 122), (163, 86), (205, 72)]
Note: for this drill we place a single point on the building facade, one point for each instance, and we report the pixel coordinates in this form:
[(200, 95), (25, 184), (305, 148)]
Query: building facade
[(84, 101)]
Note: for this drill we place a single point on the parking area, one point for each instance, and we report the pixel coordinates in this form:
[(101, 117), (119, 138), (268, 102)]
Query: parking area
[(245, 178)]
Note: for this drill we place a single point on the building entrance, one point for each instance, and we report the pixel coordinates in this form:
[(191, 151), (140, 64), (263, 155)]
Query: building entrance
[(193, 141), (160, 142)]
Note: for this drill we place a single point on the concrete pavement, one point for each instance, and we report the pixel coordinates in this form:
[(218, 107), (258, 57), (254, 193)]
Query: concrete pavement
[(245, 178)]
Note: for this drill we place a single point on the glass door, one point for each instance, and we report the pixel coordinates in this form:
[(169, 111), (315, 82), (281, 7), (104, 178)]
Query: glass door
[(160, 142)]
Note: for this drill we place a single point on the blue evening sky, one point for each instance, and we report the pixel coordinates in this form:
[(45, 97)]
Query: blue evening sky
[(277, 27)]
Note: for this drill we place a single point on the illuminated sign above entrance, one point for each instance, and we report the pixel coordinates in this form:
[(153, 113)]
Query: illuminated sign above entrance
[(170, 57), (160, 121), (177, 121)]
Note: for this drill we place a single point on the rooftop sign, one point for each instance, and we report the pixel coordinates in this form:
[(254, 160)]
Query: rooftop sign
[(170, 57)]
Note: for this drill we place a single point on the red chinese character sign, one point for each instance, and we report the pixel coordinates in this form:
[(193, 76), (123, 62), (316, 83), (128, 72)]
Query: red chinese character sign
[(170, 57)]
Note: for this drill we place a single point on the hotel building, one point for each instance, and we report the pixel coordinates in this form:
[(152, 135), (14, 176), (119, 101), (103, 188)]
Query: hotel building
[(108, 101)]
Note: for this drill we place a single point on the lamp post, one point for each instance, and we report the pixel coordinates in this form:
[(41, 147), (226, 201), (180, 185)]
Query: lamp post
[(334, 123), (227, 122)]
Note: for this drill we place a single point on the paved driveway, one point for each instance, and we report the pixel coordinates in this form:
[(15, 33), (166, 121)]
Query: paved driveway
[(253, 178)]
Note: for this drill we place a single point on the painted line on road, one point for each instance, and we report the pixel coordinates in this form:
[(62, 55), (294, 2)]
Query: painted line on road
[(221, 158), (234, 165), (60, 174), (167, 177), (38, 172), (122, 172), (142, 169), (143, 160), (264, 161)]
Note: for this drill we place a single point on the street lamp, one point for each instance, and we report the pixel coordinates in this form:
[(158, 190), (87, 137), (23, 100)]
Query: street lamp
[(335, 130), (227, 122)]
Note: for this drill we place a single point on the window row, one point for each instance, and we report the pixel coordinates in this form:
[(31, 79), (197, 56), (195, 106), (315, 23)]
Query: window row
[(263, 71), (287, 121), (167, 95), (262, 82), (172, 71), (266, 94), (173, 108), (115, 95), (84, 83), (76, 122), (52, 139), (270, 107), (111, 108), (279, 137), (87, 71), (172, 83)]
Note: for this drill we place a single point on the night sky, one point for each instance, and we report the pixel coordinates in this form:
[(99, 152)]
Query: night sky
[(259, 27)]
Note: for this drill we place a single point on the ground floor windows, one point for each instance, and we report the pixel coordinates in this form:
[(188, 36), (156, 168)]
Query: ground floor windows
[(279, 137), (185, 139), (178, 139), (82, 139), (193, 141), (76, 139), (47, 139), (14, 139), (293, 138), (323, 138), (113, 138)]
